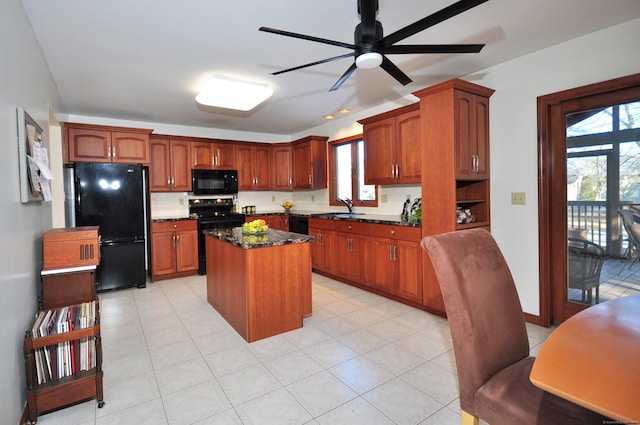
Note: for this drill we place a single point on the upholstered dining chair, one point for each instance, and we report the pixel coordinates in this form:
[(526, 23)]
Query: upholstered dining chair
[(490, 337)]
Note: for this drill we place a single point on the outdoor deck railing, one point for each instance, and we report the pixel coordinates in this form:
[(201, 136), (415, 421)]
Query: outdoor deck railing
[(589, 215)]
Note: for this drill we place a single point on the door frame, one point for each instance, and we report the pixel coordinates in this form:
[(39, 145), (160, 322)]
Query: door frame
[(552, 211)]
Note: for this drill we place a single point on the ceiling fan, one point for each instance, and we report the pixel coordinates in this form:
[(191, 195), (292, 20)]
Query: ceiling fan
[(370, 46)]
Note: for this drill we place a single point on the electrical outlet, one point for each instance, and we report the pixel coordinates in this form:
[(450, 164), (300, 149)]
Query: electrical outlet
[(518, 198), (273, 198), (313, 198), (383, 198), (181, 202), (409, 196)]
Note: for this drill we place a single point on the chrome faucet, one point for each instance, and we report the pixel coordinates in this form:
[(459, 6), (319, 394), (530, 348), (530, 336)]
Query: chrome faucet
[(348, 202)]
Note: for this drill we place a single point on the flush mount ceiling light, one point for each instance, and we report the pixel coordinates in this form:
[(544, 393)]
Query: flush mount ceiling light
[(369, 60), (233, 94)]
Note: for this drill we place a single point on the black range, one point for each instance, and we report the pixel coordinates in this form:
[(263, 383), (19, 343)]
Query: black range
[(212, 213)]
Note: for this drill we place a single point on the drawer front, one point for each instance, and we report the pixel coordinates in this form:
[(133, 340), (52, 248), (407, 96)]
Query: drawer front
[(176, 225), (353, 227), (321, 223), (405, 233), (67, 254)]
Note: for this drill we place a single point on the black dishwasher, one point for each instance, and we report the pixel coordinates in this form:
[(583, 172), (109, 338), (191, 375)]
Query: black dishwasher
[(299, 224)]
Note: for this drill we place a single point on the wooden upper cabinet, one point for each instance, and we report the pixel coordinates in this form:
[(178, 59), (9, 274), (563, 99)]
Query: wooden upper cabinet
[(379, 152), (472, 135), (170, 168), (129, 148), (160, 168), (224, 156), (92, 143), (310, 163), (282, 167), (393, 148), (253, 164), (202, 155), (210, 155)]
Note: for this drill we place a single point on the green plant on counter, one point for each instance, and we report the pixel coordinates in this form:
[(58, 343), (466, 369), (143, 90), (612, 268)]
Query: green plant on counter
[(416, 217)]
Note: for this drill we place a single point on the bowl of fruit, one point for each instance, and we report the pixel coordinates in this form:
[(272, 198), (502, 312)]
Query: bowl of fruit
[(257, 226), (287, 206)]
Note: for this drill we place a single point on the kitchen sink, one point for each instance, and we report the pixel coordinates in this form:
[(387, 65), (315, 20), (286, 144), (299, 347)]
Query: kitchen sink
[(336, 215), (346, 215)]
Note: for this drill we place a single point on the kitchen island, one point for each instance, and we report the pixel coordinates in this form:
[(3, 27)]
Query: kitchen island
[(260, 283)]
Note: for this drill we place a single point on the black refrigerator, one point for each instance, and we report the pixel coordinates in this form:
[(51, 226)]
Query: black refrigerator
[(114, 197)]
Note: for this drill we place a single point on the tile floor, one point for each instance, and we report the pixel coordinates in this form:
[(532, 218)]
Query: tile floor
[(170, 358)]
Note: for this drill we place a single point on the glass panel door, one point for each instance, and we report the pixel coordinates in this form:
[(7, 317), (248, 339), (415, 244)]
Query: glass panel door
[(602, 177)]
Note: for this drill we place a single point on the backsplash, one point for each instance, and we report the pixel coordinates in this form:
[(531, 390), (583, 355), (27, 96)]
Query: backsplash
[(176, 204)]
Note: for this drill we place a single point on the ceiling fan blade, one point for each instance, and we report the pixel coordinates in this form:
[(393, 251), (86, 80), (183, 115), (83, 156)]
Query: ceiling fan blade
[(432, 48), (431, 20), (394, 71), (367, 10), (335, 58), (307, 37), (344, 77)]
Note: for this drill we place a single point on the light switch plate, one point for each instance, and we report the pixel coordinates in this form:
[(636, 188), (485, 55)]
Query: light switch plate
[(518, 198), (383, 198)]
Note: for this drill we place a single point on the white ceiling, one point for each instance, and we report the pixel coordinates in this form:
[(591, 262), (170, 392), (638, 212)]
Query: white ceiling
[(145, 60)]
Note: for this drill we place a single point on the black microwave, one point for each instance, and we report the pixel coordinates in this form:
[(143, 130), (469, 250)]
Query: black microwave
[(214, 182)]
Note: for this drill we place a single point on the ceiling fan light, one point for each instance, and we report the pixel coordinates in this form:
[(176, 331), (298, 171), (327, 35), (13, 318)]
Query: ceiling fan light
[(233, 94), (369, 60)]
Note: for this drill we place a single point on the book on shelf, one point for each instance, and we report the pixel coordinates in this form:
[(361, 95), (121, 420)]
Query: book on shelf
[(58, 321)]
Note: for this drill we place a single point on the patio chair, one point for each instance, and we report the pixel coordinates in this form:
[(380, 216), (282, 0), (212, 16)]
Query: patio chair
[(631, 223), (490, 337), (585, 260)]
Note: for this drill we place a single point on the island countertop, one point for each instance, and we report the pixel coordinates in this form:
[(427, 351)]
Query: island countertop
[(272, 237)]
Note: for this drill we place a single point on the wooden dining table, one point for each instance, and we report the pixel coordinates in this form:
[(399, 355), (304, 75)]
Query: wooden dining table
[(593, 359)]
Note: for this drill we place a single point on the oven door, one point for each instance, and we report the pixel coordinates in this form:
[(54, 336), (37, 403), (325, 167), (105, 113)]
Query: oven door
[(234, 220)]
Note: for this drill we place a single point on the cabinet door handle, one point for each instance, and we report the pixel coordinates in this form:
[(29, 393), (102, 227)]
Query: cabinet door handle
[(395, 251), (476, 163), (174, 240), (397, 171), (390, 253), (310, 179)]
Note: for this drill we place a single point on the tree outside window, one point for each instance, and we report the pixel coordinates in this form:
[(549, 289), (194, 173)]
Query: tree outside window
[(346, 166)]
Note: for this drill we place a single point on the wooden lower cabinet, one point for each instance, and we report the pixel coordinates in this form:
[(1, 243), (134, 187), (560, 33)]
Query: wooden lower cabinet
[(274, 221), (174, 248), (353, 257), (384, 258), (322, 249)]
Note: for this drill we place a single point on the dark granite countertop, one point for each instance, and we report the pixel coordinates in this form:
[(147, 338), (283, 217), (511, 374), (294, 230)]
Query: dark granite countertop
[(161, 219), (273, 237), (364, 218), (367, 218)]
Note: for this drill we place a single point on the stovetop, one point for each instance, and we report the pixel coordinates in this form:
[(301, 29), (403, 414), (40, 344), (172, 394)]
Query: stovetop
[(213, 208)]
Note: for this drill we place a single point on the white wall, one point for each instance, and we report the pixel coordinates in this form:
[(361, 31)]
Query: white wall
[(24, 81)]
